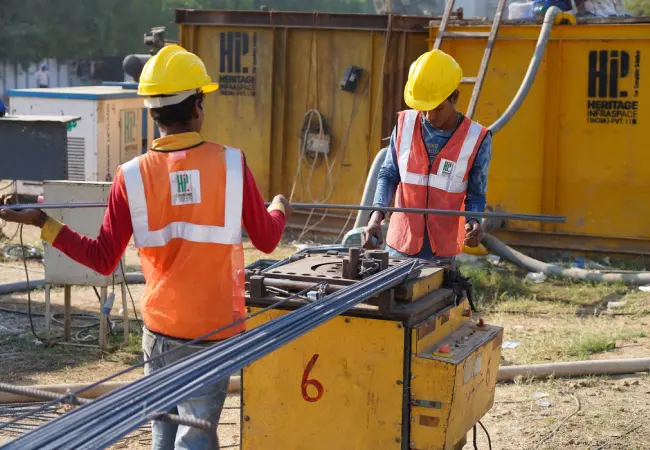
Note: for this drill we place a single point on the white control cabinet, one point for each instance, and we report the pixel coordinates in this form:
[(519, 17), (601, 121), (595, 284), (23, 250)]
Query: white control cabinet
[(60, 269)]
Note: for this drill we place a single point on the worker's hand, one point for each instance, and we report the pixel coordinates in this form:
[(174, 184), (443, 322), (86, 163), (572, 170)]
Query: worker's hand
[(33, 217), (372, 230), (288, 209), (8, 199), (473, 233)]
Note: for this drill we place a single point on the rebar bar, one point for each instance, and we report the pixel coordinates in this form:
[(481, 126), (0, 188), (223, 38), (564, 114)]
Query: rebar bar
[(70, 399), (104, 421), (425, 211)]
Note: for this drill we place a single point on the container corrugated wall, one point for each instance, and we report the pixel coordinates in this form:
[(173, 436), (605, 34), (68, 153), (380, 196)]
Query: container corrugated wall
[(274, 68), (579, 144), (567, 151)]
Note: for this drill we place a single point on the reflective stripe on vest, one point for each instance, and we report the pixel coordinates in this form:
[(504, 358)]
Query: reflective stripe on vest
[(230, 233), (454, 183)]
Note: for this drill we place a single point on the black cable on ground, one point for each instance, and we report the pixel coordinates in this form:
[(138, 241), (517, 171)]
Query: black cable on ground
[(486, 434), (474, 437), (17, 311), (29, 296), (9, 239)]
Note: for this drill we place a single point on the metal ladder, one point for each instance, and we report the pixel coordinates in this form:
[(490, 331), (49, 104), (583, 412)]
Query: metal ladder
[(491, 36)]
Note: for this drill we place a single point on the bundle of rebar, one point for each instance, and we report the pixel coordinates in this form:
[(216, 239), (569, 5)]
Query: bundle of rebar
[(107, 419)]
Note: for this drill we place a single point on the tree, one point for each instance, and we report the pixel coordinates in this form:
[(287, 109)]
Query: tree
[(74, 29), (638, 7)]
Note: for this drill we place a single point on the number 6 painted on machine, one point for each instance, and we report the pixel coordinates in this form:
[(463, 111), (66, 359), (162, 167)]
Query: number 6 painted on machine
[(307, 382)]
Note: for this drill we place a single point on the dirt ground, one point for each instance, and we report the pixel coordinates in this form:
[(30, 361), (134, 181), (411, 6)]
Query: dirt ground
[(556, 320)]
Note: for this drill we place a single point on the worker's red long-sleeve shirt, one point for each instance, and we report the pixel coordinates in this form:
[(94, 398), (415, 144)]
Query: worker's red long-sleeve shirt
[(103, 254)]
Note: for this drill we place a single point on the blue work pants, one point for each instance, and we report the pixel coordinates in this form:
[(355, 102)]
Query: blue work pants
[(206, 404)]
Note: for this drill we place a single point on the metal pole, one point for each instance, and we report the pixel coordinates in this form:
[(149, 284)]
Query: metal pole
[(437, 212)]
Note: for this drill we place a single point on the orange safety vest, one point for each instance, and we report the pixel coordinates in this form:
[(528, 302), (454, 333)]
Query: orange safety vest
[(186, 210), (438, 185)]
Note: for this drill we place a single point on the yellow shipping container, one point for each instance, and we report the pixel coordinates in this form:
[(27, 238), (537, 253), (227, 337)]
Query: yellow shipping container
[(273, 68), (574, 148)]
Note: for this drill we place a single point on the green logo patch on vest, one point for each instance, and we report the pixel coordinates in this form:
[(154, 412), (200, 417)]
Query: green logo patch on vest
[(446, 167), (185, 187)]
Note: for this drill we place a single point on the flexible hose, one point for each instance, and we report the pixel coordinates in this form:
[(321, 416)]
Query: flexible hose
[(369, 189), (531, 73), (532, 265), (21, 286)]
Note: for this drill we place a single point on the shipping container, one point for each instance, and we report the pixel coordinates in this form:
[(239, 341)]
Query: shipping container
[(274, 68), (576, 147)]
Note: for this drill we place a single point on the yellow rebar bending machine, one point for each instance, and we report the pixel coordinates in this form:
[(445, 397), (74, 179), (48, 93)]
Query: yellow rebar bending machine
[(407, 369)]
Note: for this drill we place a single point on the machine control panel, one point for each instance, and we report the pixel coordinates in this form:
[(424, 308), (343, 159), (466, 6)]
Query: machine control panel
[(461, 343)]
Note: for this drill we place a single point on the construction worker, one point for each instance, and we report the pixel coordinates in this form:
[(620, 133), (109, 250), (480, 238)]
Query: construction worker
[(184, 202), (438, 159)]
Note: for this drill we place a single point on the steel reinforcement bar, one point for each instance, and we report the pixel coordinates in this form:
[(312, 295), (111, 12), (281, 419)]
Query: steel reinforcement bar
[(319, 206), (109, 418)]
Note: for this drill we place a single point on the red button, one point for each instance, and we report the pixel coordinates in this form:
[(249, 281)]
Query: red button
[(481, 323), (444, 349)]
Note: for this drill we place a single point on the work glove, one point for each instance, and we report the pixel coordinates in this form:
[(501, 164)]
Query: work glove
[(473, 233), (286, 205)]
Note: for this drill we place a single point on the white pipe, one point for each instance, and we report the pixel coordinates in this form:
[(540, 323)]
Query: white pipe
[(497, 247), (21, 286), (576, 369)]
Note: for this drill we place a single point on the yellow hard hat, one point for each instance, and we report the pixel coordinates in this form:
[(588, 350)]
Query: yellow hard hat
[(174, 72), (433, 77)]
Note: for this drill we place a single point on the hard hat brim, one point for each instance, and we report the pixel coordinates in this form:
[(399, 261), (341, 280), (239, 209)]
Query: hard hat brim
[(419, 105), (210, 88)]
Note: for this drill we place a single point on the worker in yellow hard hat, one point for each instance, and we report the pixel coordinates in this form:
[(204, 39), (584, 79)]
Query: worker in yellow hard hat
[(184, 202), (438, 159)]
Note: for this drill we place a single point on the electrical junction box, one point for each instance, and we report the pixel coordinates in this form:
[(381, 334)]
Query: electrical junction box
[(60, 269), (109, 133), (350, 82), (319, 144)]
